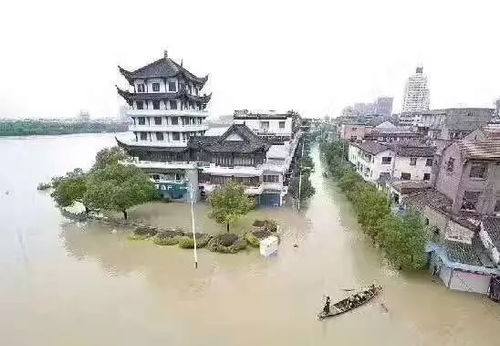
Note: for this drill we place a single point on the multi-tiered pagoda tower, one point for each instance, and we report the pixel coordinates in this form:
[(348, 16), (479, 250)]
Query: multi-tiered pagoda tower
[(167, 108)]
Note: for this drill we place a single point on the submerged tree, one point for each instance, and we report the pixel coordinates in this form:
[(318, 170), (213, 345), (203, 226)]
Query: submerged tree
[(229, 203), (118, 187), (69, 190), (403, 240), (108, 156)]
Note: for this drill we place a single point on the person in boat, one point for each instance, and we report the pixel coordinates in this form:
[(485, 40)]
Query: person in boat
[(326, 308)]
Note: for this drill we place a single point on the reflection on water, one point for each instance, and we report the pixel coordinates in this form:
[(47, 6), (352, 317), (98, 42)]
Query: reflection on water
[(64, 283)]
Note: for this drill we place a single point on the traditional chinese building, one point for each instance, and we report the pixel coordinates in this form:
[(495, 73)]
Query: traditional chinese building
[(172, 145)]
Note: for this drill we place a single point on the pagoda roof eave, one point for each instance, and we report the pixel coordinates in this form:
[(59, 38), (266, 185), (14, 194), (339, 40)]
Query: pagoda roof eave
[(130, 97)]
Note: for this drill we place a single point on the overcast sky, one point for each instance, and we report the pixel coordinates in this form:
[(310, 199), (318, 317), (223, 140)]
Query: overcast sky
[(315, 57)]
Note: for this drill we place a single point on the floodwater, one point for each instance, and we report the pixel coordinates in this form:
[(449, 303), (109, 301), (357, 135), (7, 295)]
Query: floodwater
[(63, 283)]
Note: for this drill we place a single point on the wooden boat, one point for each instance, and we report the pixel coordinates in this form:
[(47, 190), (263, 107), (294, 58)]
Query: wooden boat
[(352, 302)]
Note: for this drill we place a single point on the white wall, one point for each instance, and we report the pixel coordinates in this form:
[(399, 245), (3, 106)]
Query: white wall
[(402, 165), (395, 167), (490, 247), (255, 125), (470, 282), (163, 86)]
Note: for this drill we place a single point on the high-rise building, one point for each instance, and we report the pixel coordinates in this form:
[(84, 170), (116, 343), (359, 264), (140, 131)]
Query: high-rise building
[(383, 106), (417, 94), (364, 109)]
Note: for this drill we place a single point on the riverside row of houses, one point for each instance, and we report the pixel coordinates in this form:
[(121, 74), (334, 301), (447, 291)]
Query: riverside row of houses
[(449, 172), (188, 159)]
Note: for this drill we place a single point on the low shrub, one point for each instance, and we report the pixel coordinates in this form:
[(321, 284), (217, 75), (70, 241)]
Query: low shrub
[(271, 225), (186, 242), (259, 223), (262, 234), (134, 236), (252, 240), (227, 243), (168, 241), (145, 230)]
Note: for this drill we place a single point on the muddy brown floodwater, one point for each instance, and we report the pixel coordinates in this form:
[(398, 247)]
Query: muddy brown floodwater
[(63, 283)]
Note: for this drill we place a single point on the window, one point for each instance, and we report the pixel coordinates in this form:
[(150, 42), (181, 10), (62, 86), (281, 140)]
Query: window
[(384, 175), (156, 87), (157, 120), (428, 163), (354, 129), (470, 200), (354, 138), (139, 104), (173, 104), (175, 121), (386, 160), (176, 136), (142, 121), (144, 136), (497, 206), (156, 104), (450, 164), (427, 176), (264, 125), (155, 177), (271, 178), (159, 136), (282, 124), (426, 221), (405, 176), (172, 86), (413, 161), (478, 170), (140, 88)]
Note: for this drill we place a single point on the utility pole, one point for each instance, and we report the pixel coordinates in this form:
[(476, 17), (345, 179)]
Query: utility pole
[(300, 175)]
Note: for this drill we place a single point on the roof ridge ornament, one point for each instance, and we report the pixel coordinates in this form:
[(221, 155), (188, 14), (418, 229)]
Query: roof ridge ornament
[(165, 54)]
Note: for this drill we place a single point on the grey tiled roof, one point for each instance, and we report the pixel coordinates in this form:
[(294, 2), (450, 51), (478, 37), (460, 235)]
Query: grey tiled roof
[(162, 68), (492, 227), (406, 150), (250, 141), (129, 97), (430, 197), (462, 252), (485, 150), (372, 147)]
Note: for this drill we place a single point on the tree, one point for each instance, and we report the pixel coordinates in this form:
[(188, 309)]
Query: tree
[(118, 187), (108, 156), (403, 240), (229, 203), (69, 190)]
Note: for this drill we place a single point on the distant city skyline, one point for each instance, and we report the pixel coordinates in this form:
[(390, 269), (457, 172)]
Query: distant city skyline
[(70, 55)]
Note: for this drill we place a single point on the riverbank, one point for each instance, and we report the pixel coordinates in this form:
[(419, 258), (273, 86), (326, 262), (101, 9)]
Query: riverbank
[(35, 127)]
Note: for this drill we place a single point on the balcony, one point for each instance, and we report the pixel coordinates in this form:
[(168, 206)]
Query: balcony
[(160, 165), (166, 112), (168, 128), (241, 171)]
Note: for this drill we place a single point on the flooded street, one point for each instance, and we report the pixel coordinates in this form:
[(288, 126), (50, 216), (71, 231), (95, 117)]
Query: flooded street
[(68, 284)]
